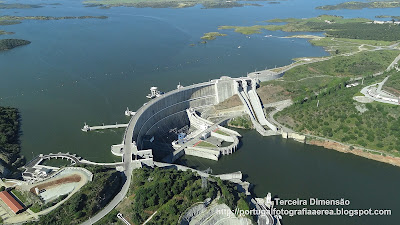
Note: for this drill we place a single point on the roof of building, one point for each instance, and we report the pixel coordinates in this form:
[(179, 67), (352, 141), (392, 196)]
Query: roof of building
[(10, 201)]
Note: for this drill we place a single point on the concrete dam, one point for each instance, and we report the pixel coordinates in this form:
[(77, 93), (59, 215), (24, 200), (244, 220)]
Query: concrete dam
[(155, 119)]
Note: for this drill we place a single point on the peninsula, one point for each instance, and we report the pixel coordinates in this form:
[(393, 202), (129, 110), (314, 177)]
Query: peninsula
[(362, 5)]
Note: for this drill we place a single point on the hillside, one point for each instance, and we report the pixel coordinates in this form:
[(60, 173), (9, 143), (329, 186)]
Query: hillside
[(10, 158), (170, 192), (89, 200)]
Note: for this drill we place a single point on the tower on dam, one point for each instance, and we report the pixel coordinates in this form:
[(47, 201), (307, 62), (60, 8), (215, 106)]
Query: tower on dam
[(150, 127)]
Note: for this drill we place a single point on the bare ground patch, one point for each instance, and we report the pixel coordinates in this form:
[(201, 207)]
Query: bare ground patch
[(356, 151), (272, 93), (70, 179), (392, 91), (289, 121), (229, 103)]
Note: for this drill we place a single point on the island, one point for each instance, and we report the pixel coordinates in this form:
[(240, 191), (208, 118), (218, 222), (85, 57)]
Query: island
[(17, 6), (212, 35), (7, 44)]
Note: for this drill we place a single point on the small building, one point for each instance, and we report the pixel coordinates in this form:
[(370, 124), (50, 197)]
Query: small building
[(181, 138), (11, 202), (352, 85), (205, 135), (379, 22)]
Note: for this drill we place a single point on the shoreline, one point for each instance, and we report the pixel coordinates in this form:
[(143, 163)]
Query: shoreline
[(344, 148)]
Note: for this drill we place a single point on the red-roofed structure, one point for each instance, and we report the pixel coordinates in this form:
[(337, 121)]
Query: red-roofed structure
[(11, 202)]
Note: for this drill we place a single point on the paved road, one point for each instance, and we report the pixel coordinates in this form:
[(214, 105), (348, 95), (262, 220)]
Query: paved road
[(395, 61), (127, 165), (283, 69), (376, 94), (279, 107)]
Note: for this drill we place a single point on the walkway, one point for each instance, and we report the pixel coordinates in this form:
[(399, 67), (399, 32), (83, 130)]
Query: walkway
[(87, 128)]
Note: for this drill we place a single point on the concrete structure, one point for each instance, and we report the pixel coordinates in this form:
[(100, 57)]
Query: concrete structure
[(87, 128), (271, 74), (264, 75), (157, 117), (204, 129), (11, 202), (129, 112), (253, 108), (154, 92), (376, 93), (229, 176), (294, 136), (168, 111)]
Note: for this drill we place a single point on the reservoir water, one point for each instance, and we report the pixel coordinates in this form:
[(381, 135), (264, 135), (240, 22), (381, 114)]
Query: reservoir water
[(77, 71), (291, 170)]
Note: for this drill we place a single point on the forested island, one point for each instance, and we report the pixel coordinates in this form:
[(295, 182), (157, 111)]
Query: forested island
[(7, 44), (212, 35), (10, 158)]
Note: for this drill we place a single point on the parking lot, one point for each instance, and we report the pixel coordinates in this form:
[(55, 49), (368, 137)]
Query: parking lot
[(5, 212)]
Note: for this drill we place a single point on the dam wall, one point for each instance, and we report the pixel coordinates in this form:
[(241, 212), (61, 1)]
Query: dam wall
[(168, 111), (225, 88)]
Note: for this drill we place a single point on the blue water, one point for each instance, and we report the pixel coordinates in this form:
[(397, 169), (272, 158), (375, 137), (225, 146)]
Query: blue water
[(77, 71)]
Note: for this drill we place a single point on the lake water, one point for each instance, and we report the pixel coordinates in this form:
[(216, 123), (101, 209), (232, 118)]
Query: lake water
[(77, 71)]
